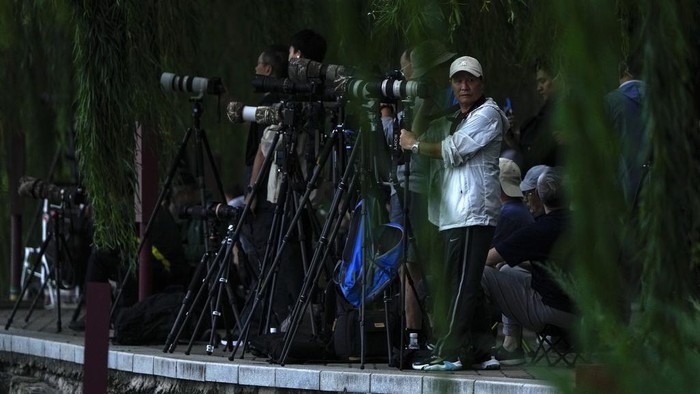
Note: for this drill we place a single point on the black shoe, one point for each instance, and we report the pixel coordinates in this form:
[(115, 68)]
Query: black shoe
[(516, 357), (423, 362), (479, 359)]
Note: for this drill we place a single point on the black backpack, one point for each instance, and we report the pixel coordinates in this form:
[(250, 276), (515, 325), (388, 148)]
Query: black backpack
[(148, 322), (305, 348)]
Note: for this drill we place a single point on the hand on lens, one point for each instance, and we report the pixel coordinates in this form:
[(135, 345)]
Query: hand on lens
[(407, 139)]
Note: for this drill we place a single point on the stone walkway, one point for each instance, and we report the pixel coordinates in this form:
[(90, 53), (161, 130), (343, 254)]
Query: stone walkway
[(38, 339)]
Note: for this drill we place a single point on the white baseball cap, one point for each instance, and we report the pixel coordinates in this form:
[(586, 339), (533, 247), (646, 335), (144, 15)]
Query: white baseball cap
[(468, 64)]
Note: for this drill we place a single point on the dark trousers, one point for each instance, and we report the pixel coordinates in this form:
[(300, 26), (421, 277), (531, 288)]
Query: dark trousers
[(466, 249)]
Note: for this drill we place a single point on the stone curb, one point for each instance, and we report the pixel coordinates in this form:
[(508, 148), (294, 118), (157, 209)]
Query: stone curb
[(148, 361)]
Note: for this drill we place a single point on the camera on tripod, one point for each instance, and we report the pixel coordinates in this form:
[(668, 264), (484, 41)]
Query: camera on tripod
[(214, 210), (69, 234), (170, 83), (282, 112), (42, 190), (340, 80)]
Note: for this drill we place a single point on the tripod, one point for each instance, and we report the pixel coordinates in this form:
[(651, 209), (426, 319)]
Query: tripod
[(269, 271), (321, 251), (201, 146), (332, 225), (57, 216), (197, 285), (405, 203), (218, 270)]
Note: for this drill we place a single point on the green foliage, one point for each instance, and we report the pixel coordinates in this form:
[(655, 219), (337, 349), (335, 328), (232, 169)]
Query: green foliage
[(671, 233), (104, 118), (664, 337)]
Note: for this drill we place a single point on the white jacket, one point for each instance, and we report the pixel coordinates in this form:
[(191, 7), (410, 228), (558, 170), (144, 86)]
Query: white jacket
[(470, 189)]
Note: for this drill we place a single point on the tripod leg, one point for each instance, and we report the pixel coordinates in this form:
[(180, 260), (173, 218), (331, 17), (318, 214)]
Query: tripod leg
[(202, 288), (212, 288), (182, 316), (305, 266), (237, 320), (40, 256), (273, 242), (264, 291), (216, 313), (320, 250), (320, 253), (38, 295), (271, 247), (61, 250), (221, 285), (310, 185)]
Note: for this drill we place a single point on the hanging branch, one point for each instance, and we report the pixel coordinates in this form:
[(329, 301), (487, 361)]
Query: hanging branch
[(104, 121)]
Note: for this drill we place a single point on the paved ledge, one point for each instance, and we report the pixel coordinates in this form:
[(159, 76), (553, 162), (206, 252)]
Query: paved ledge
[(218, 370)]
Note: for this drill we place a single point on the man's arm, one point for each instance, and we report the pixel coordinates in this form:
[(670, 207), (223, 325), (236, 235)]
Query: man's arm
[(257, 165), (473, 134), (429, 149)]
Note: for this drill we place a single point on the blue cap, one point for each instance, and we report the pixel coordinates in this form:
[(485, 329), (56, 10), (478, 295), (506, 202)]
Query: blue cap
[(530, 180)]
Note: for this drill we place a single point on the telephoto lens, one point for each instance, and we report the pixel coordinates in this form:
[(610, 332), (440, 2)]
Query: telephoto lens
[(170, 82)]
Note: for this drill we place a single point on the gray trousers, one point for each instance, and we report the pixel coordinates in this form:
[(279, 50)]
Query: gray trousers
[(521, 306)]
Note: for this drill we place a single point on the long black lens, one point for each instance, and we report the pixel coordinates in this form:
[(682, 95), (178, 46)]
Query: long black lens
[(264, 84), (304, 70), (219, 211)]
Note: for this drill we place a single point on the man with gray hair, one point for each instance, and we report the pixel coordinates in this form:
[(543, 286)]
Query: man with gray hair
[(536, 301), (529, 188)]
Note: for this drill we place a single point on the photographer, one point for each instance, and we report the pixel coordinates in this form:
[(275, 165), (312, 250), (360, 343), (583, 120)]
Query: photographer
[(469, 207), (290, 270), (272, 62), (429, 63)]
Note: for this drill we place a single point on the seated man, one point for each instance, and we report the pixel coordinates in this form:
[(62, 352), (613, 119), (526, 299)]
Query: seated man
[(514, 212), (529, 188), (175, 244), (537, 300)]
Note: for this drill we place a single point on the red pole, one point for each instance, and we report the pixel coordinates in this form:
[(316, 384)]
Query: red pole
[(147, 165), (96, 348)]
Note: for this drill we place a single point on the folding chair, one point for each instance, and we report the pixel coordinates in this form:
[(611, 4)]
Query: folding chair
[(554, 345)]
